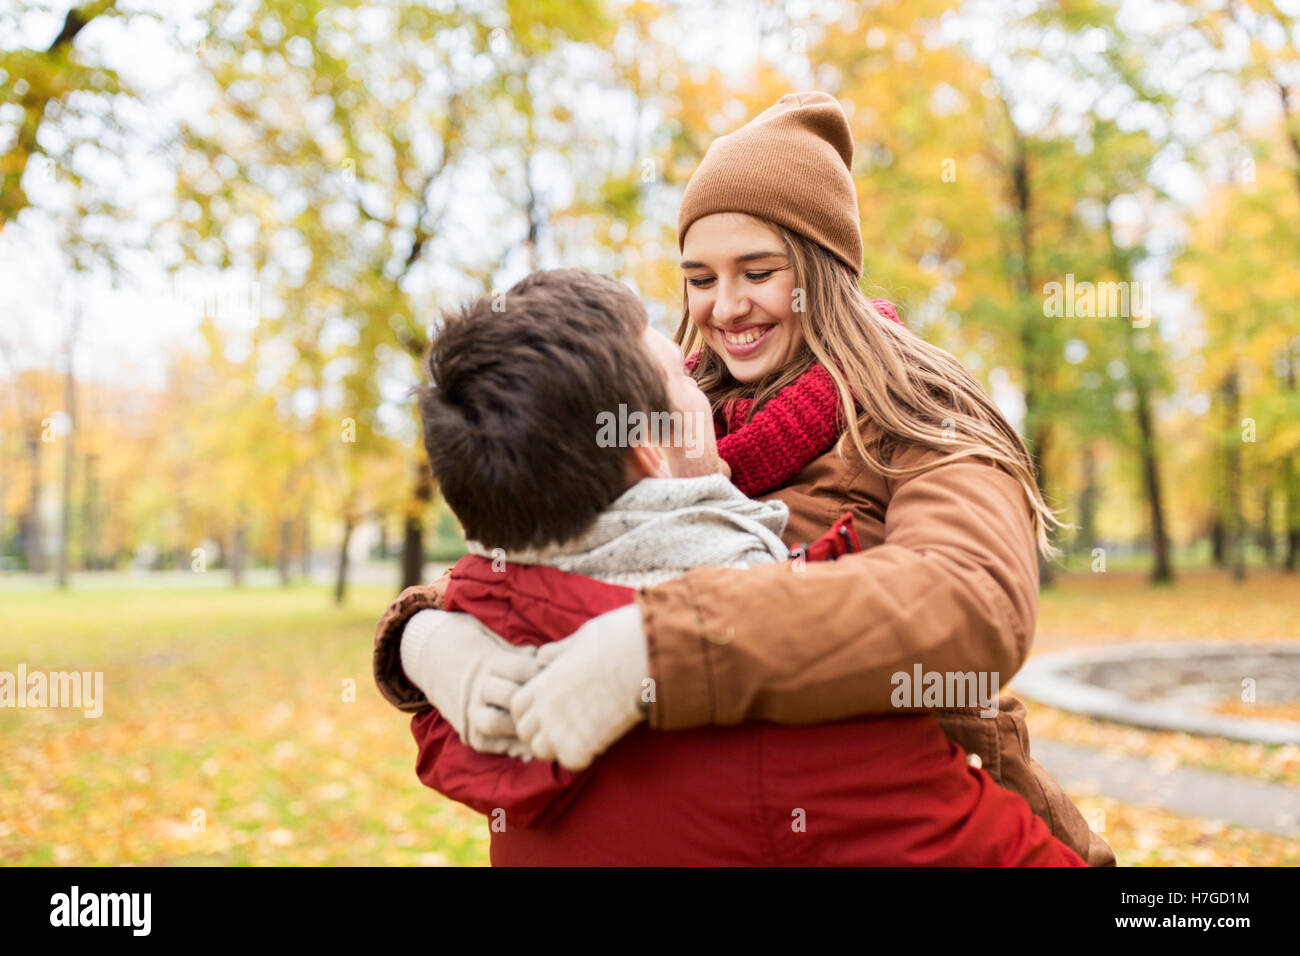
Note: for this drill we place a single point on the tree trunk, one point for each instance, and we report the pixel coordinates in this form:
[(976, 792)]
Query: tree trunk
[(32, 533), (1161, 571), (1086, 536), (1292, 484), (1291, 481), (1148, 442), (237, 555), (413, 529), (304, 542), (1284, 94), (1234, 519), (341, 578), (282, 555), (1267, 544), (70, 400), (1036, 428), (91, 557), (1038, 451)]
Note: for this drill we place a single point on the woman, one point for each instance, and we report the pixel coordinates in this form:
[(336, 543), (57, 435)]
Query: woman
[(941, 487)]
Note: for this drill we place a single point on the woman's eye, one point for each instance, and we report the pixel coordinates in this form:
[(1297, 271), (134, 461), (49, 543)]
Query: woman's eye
[(704, 283)]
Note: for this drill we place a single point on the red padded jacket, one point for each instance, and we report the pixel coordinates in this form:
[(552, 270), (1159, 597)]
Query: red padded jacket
[(888, 790)]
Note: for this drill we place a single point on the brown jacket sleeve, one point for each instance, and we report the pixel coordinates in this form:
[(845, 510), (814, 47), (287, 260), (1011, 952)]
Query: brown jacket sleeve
[(953, 587), (389, 676)]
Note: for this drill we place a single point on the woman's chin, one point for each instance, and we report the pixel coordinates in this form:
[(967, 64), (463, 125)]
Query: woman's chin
[(747, 372)]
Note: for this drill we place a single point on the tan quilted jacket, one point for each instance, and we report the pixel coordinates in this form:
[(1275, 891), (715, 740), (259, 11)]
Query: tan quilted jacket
[(947, 579)]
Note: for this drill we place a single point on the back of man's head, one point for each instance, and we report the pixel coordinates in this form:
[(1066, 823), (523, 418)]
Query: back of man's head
[(518, 382)]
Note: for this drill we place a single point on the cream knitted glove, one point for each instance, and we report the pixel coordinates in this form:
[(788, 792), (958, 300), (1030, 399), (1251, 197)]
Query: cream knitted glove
[(470, 674), (589, 693)]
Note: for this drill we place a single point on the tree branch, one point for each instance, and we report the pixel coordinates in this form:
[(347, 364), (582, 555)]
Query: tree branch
[(76, 21)]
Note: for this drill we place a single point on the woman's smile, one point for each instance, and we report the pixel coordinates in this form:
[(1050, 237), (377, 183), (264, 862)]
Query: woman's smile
[(745, 339)]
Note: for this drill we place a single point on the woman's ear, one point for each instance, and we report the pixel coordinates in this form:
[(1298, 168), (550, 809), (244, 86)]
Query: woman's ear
[(647, 461)]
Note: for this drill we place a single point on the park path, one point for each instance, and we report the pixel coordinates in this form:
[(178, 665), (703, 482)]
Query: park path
[(1192, 791)]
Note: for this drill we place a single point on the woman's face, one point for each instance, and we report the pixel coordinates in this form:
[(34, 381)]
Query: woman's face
[(740, 293)]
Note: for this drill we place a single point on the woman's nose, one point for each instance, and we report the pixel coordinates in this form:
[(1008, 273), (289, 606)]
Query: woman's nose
[(730, 304)]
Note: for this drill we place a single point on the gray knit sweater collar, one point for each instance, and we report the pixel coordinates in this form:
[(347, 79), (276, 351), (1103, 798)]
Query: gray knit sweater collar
[(660, 528)]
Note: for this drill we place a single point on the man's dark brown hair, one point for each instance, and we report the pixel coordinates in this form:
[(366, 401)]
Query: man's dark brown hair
[(510, 419)]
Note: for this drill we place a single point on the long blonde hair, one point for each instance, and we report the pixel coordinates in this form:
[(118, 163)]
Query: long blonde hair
[(906, 390)]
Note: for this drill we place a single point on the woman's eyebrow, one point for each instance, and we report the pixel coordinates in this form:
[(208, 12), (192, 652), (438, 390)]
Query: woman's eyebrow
[(692, 264)]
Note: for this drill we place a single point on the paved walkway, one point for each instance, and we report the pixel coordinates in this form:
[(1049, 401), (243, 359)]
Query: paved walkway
[(1273, 807)]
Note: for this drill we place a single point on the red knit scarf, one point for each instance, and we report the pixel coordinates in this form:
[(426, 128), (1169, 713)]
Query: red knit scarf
[(791, 430)]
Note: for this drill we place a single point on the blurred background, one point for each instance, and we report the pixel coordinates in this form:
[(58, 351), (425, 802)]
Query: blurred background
[(226, 229)]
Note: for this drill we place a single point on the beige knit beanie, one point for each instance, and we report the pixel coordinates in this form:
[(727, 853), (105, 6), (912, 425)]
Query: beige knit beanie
[(790, 165)]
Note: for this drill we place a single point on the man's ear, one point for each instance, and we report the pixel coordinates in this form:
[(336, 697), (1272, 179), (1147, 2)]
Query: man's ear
[(647, 461)]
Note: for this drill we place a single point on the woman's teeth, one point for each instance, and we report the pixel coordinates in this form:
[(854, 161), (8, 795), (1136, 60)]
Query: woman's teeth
[(744, 338)]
